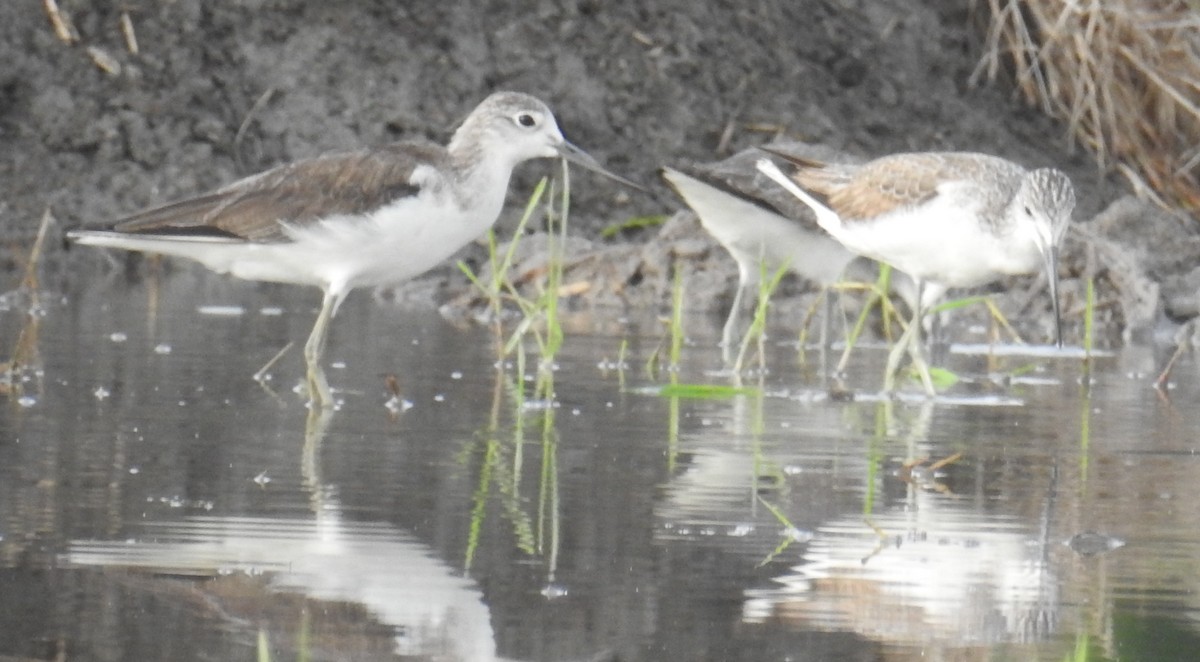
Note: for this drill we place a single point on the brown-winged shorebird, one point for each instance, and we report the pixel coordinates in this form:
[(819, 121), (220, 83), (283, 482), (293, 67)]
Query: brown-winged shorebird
[(763, 232), (354, 219), (948, 219)]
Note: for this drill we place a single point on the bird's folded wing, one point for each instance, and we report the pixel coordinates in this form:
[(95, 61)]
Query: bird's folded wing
[(256, 209)]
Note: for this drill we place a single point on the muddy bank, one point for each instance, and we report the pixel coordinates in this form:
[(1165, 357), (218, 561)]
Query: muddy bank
[(220, 90)]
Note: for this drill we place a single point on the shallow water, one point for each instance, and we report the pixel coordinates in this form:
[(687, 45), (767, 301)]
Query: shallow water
[(157, 503)]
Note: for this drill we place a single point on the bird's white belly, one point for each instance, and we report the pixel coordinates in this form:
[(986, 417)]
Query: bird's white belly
[(399, 242), (754, 235), (942, 244)]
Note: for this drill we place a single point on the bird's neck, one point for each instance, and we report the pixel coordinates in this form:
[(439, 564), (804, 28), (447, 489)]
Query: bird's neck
[(481, 175), (473, 157)]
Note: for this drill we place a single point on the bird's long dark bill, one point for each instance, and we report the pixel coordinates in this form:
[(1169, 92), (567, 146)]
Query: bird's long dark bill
[(1052, 276), (578, 156)]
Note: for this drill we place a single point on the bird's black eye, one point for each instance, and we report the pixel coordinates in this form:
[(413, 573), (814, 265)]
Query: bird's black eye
[(526, 120), (1028, 211)]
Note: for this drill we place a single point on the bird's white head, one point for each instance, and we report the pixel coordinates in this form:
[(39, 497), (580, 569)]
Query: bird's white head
[(511, 127), (1043, 206), (508, 126), (1044, 203)]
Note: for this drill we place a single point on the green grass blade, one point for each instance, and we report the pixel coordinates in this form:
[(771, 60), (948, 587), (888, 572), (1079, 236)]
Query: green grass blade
[(786, 540), (263, 646), (633, 223), (701, 391), (1089, 321), (758, 326)]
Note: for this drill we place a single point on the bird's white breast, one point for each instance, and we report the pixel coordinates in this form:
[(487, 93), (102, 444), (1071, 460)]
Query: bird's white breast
[(943, 240)]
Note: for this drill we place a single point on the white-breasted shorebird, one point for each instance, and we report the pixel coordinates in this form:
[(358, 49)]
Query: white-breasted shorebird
[(947, 219), (762, 232), (354, 219)]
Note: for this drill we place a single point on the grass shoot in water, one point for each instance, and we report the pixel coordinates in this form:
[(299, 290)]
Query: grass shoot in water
[(674, 332), (539, 319), (1089, 319), (499, 283), (758, 326), (878, 296)]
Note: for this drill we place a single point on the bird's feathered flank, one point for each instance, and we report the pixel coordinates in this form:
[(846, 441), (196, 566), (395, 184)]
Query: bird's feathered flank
[(257, 208)]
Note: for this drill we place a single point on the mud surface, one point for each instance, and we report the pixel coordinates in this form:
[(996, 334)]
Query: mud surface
[(221, 90)]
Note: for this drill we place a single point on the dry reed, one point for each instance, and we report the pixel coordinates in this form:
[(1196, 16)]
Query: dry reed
[(1124, 75)]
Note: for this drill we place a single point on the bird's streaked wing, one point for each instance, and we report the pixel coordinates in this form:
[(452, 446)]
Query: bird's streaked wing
[(255, 209)]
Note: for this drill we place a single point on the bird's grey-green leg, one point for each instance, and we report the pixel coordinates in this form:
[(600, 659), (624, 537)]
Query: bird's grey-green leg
[(910, 341), (319, 392), (916, 346), (825, 337), (730, 338), (894, 356), (917, 351)]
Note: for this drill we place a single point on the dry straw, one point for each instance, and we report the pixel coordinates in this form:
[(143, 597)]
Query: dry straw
[(1124, 74)]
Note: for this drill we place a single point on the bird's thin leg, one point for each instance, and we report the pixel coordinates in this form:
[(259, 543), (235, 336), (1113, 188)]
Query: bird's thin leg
[(826, 334), (910, 341), (917, 351), (901, 346), (729, 334), (927, 295), (319, 392), (894, 356)]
